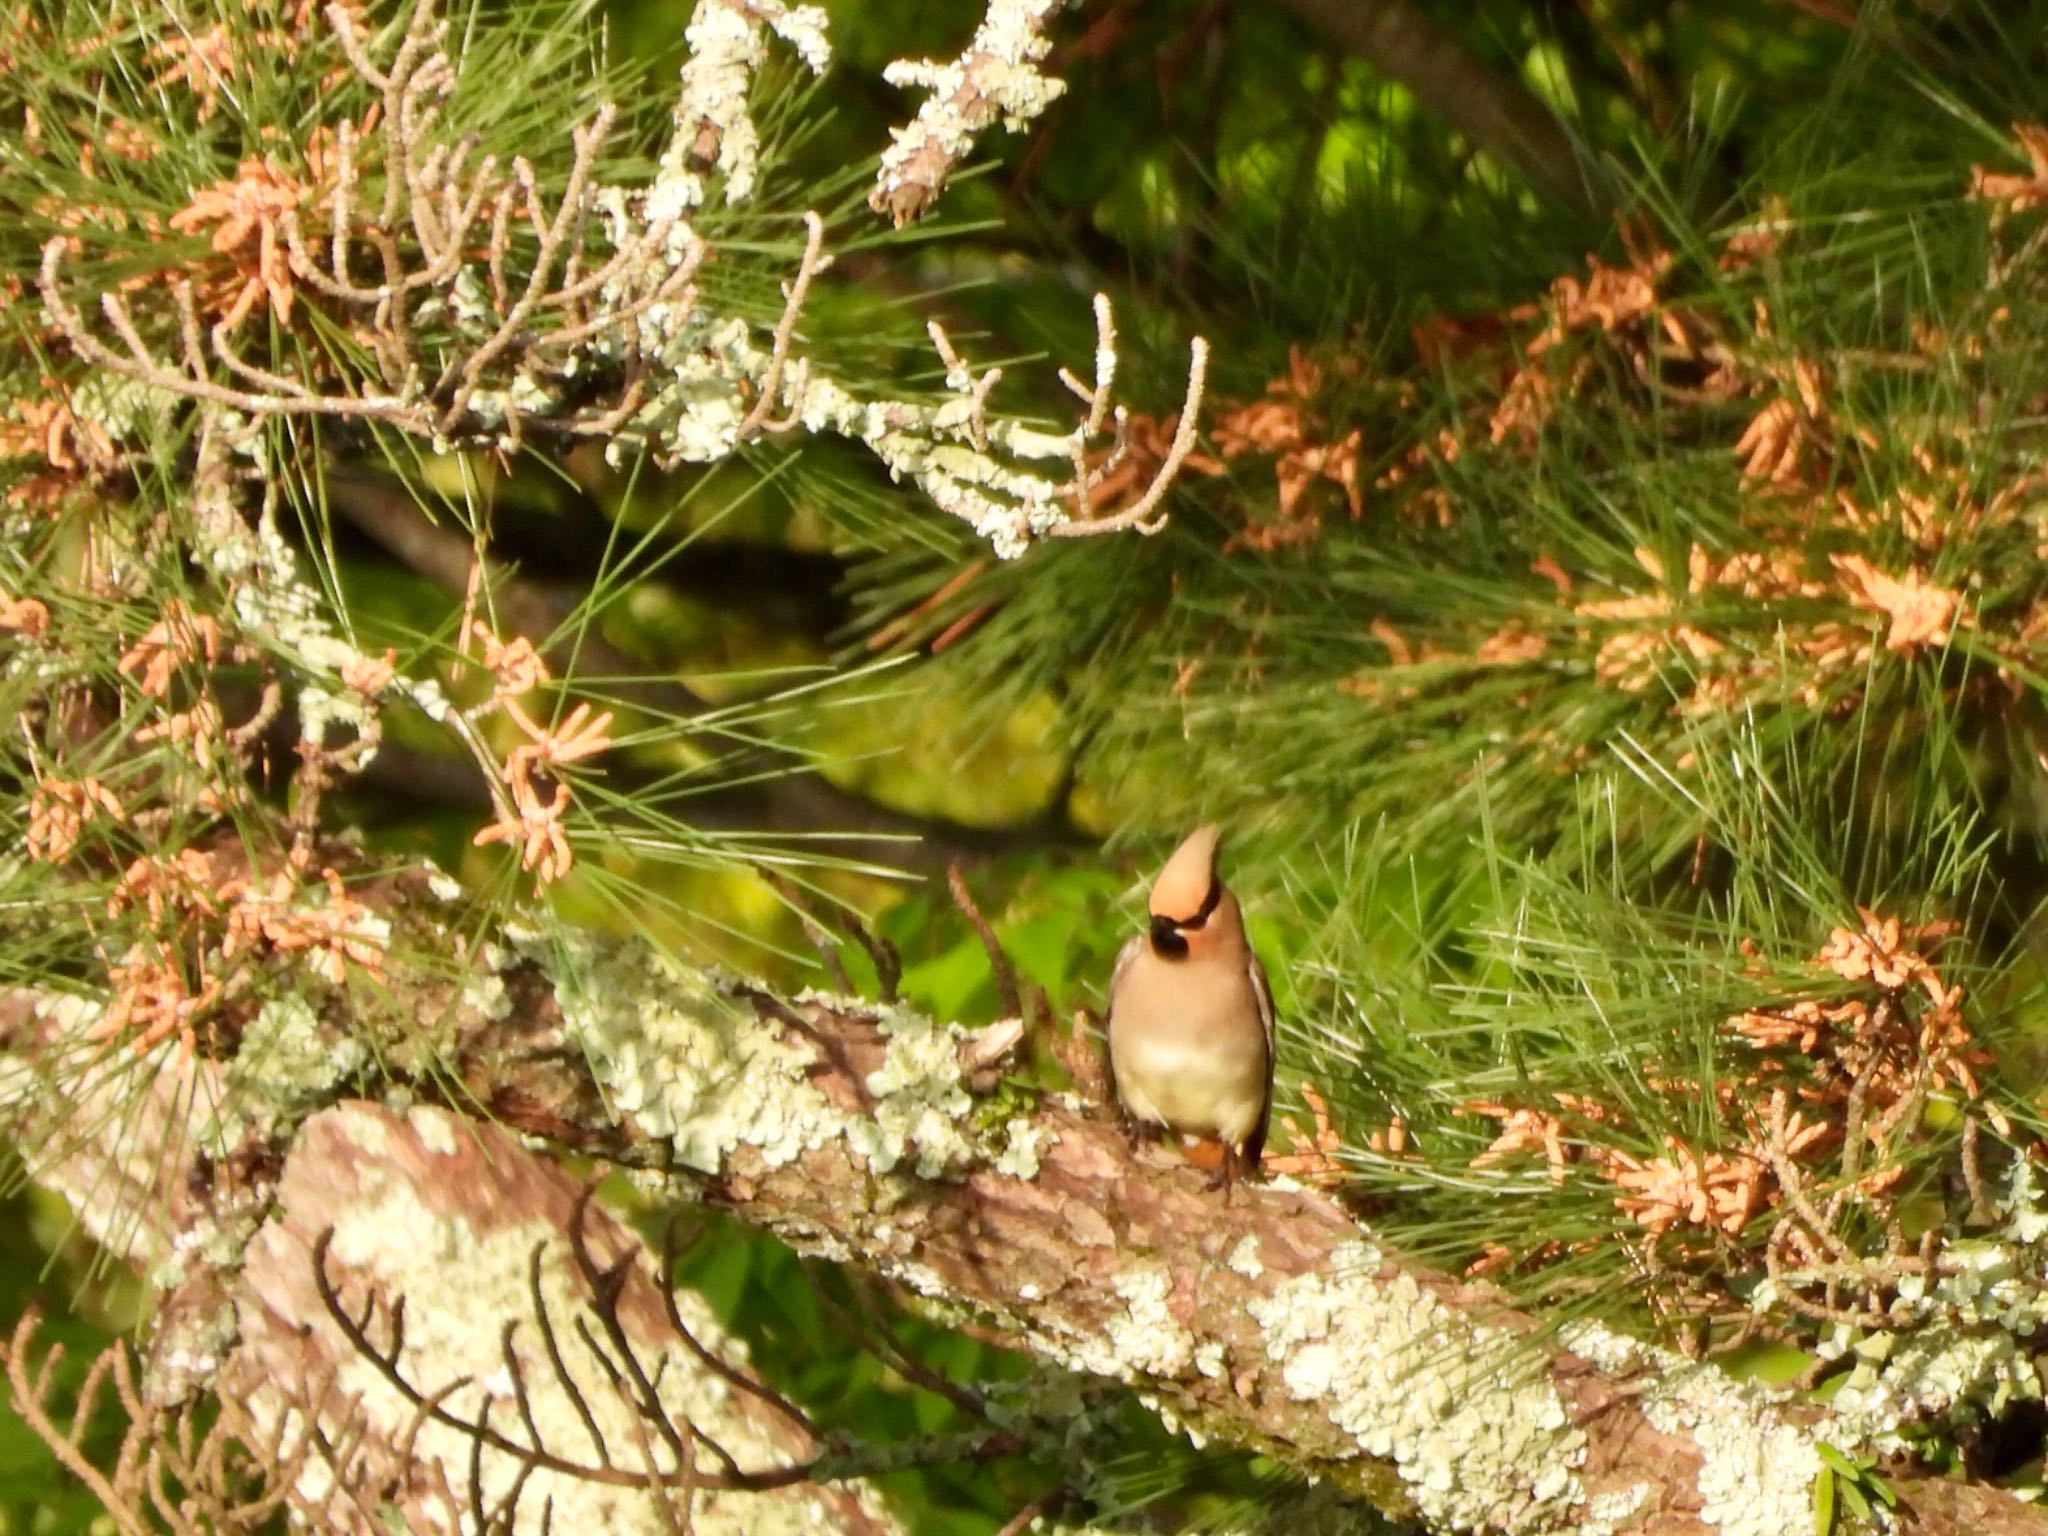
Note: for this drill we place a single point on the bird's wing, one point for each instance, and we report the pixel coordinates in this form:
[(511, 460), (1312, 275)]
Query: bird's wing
[(1124, 957), (1132, 946), (1262, 993)]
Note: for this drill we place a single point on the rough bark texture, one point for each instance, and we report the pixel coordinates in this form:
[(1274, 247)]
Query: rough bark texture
[(1272, 1320), (449, 1214), (401, 1199)]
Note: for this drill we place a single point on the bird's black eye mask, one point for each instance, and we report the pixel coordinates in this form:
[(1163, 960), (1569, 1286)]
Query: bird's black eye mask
[(1169, 934)]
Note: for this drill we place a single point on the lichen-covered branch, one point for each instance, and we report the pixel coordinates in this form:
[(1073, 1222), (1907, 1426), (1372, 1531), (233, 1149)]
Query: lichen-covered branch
[(492, 300), (995, 77), (411, 1312), (852, 1130)]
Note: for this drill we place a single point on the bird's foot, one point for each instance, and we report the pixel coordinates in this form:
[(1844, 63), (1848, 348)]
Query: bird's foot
[(1137, 1134), (1225, 1176)]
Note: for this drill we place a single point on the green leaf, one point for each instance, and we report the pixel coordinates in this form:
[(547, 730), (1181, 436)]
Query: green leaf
[(1042, 948), (1853, 1492), (1837, 1460), (944, 984), (717, 1271)]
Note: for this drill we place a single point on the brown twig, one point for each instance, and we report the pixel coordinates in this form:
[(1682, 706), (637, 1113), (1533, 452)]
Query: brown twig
[(814, 926), (1138, 514), (1079, 1049), (1793, 1185), (1982, 1212), (872, 1331), (813, 262), (740, 1380), (1022, 1521), (1011, 999), (31, 1399)]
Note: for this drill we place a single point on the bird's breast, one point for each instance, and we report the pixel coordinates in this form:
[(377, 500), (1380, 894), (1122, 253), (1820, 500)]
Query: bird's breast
[(1189, 1049)]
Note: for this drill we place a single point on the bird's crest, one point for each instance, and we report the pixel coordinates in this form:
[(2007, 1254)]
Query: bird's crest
[(1182, 889)]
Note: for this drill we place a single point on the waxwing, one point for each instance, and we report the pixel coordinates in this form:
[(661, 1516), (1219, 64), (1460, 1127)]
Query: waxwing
[(1190, 1014)]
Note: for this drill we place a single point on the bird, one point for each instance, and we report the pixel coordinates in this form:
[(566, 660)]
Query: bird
[(1191, 1015)]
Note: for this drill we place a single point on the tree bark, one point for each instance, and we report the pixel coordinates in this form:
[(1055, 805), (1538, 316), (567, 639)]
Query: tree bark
[(1495, 111), (1272, 1319)]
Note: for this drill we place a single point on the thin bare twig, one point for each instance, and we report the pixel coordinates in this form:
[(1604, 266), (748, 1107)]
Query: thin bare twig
[(1011, 999), (814, 261), (814, 925), (1138, 514), (31, 1399), (871, 1329), (1021, 1521), (740, 1380)]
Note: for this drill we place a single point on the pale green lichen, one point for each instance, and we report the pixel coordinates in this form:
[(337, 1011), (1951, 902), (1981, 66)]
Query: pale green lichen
[(127, 410), (696, 411), (711, 364), (290, 1058), (691, 1066), (935, 448), (1466, 1414), (997, 75), (1145, 1336), (921, 1102), (484, 991), (687, 1064), (1757, 1465), (726, 48), (287, 1063), (186, 1356), (919, 1099), (1244, 1258), (2026, 1215), (1959, 1348), (1021, 1144), (202, 1244), (1964, 1360), (486, 996), (388, 1231), (1614, 1511), (321, 709)]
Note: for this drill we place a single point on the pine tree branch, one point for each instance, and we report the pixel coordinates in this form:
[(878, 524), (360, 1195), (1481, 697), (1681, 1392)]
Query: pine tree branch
[(1496, 111), (995, 78), (1275, 1322), (408, 1331), (773, 790)]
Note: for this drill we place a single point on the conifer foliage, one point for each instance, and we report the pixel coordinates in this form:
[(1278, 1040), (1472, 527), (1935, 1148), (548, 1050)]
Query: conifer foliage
[(1597, 571)]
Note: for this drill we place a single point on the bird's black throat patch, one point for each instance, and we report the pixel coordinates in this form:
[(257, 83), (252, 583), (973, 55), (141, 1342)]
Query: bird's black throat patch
[(1167, 941)]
